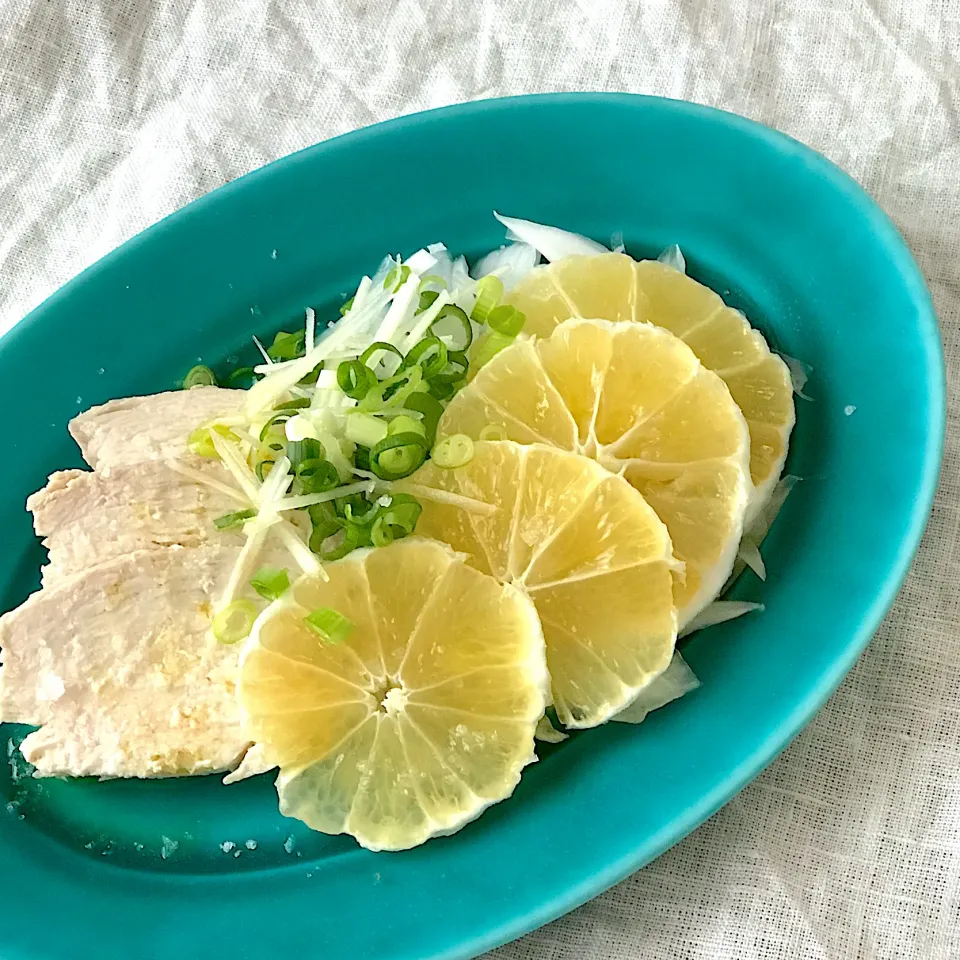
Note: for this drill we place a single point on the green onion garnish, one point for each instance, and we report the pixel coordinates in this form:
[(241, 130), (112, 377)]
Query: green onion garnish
[(299, 451), (378, 346), (336, 550), (398, 519), (506, 320), (364, 429), (452, 325), (427, 299), (453, 451), (435, 279), (394, 390), (432, 410), (345, 309), (493, 431), (287, 346), (430, 354), (271, 582), (330, 626), (236, 519), (355, 379), (396, 278), (317, 476), (301, 403), (311, 377), (490, 346), (489, 292), (235, 621), (199, 376), (361, 512), (262, 469), (241, 373), (406, 425), (199, 442), (398, 455), (276, 421), (456, 368)]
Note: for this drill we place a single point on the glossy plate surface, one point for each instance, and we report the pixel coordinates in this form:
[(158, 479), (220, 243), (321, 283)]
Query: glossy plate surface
[(165, 870)]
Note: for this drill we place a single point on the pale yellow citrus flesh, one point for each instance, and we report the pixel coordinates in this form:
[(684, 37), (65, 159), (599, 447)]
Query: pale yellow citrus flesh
[(612, 286), (583, 544), (637, 400), (416, 722)]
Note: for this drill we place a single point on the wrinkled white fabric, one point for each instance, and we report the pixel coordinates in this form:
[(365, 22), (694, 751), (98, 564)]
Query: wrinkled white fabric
[(113, 113)]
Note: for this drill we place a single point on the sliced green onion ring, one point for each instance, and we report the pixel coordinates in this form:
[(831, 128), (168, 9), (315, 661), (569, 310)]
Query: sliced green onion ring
[(506, 320), (397, 520), (393, 391), (337, 551), (329, 625), (317, 476), (396, 278), (433, 279), (489, 293), (287, 346), (453, 451), (452, 326), (235, 621), (262, 469), (271, 582), (379, 346), (300, 403), (240, 373), (299, 451), (427, 299), (199, 376), (406, 425), (345, 309), (364, 429), (430, 408), (430, 354), (199, 442), (490, 346), (456, 368), (398, 455), (493, 431), (355, 379), (274, 421), (236, 519)]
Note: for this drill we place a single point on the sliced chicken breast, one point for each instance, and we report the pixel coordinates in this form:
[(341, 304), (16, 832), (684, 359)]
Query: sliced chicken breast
[(87, 518), (149, 428), (118, 667)]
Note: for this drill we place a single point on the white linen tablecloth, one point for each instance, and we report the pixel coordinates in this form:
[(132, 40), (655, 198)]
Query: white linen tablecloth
[(114, 113)]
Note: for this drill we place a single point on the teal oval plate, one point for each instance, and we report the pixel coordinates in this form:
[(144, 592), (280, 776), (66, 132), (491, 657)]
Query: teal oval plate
[(191, 868)]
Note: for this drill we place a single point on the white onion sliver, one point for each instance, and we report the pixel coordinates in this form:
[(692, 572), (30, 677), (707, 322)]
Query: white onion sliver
[(548, 733), (510, 263), (673, 683), (720, 611), (552, 242), (799, 374), (749, 553), (673, 257)]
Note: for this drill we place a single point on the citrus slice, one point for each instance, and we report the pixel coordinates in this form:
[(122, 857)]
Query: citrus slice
[(612, 286), (417, 720), (586, 548), (636, 399)]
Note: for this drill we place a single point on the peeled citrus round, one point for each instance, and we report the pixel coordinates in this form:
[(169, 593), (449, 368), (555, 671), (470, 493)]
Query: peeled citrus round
[(612, 286), (420, 718), (583, 545), (636, 399)]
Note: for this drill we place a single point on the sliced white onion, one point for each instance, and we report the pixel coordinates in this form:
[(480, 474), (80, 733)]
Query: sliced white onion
[(799, 374), (720, 611), (552, 242), (673, 257), (510, 263), (673, 683), (548, 733)]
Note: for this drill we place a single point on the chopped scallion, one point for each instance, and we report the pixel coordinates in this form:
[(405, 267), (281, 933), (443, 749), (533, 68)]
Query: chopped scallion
[(453, 451), (397, 520), (287, 346), (489, 347), (355, 379), (345, 309), (430, 354), (199, 376), (452, 326), (236, 519), (316, 476), (489, 291), (506, 320), (329, 625), (364, 429), (379, 346), (406, 425), (396, 278), (427, 299), (398, 455), (199, 442), (271, 582), (241, 373), (235, 621), (431, 410)]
